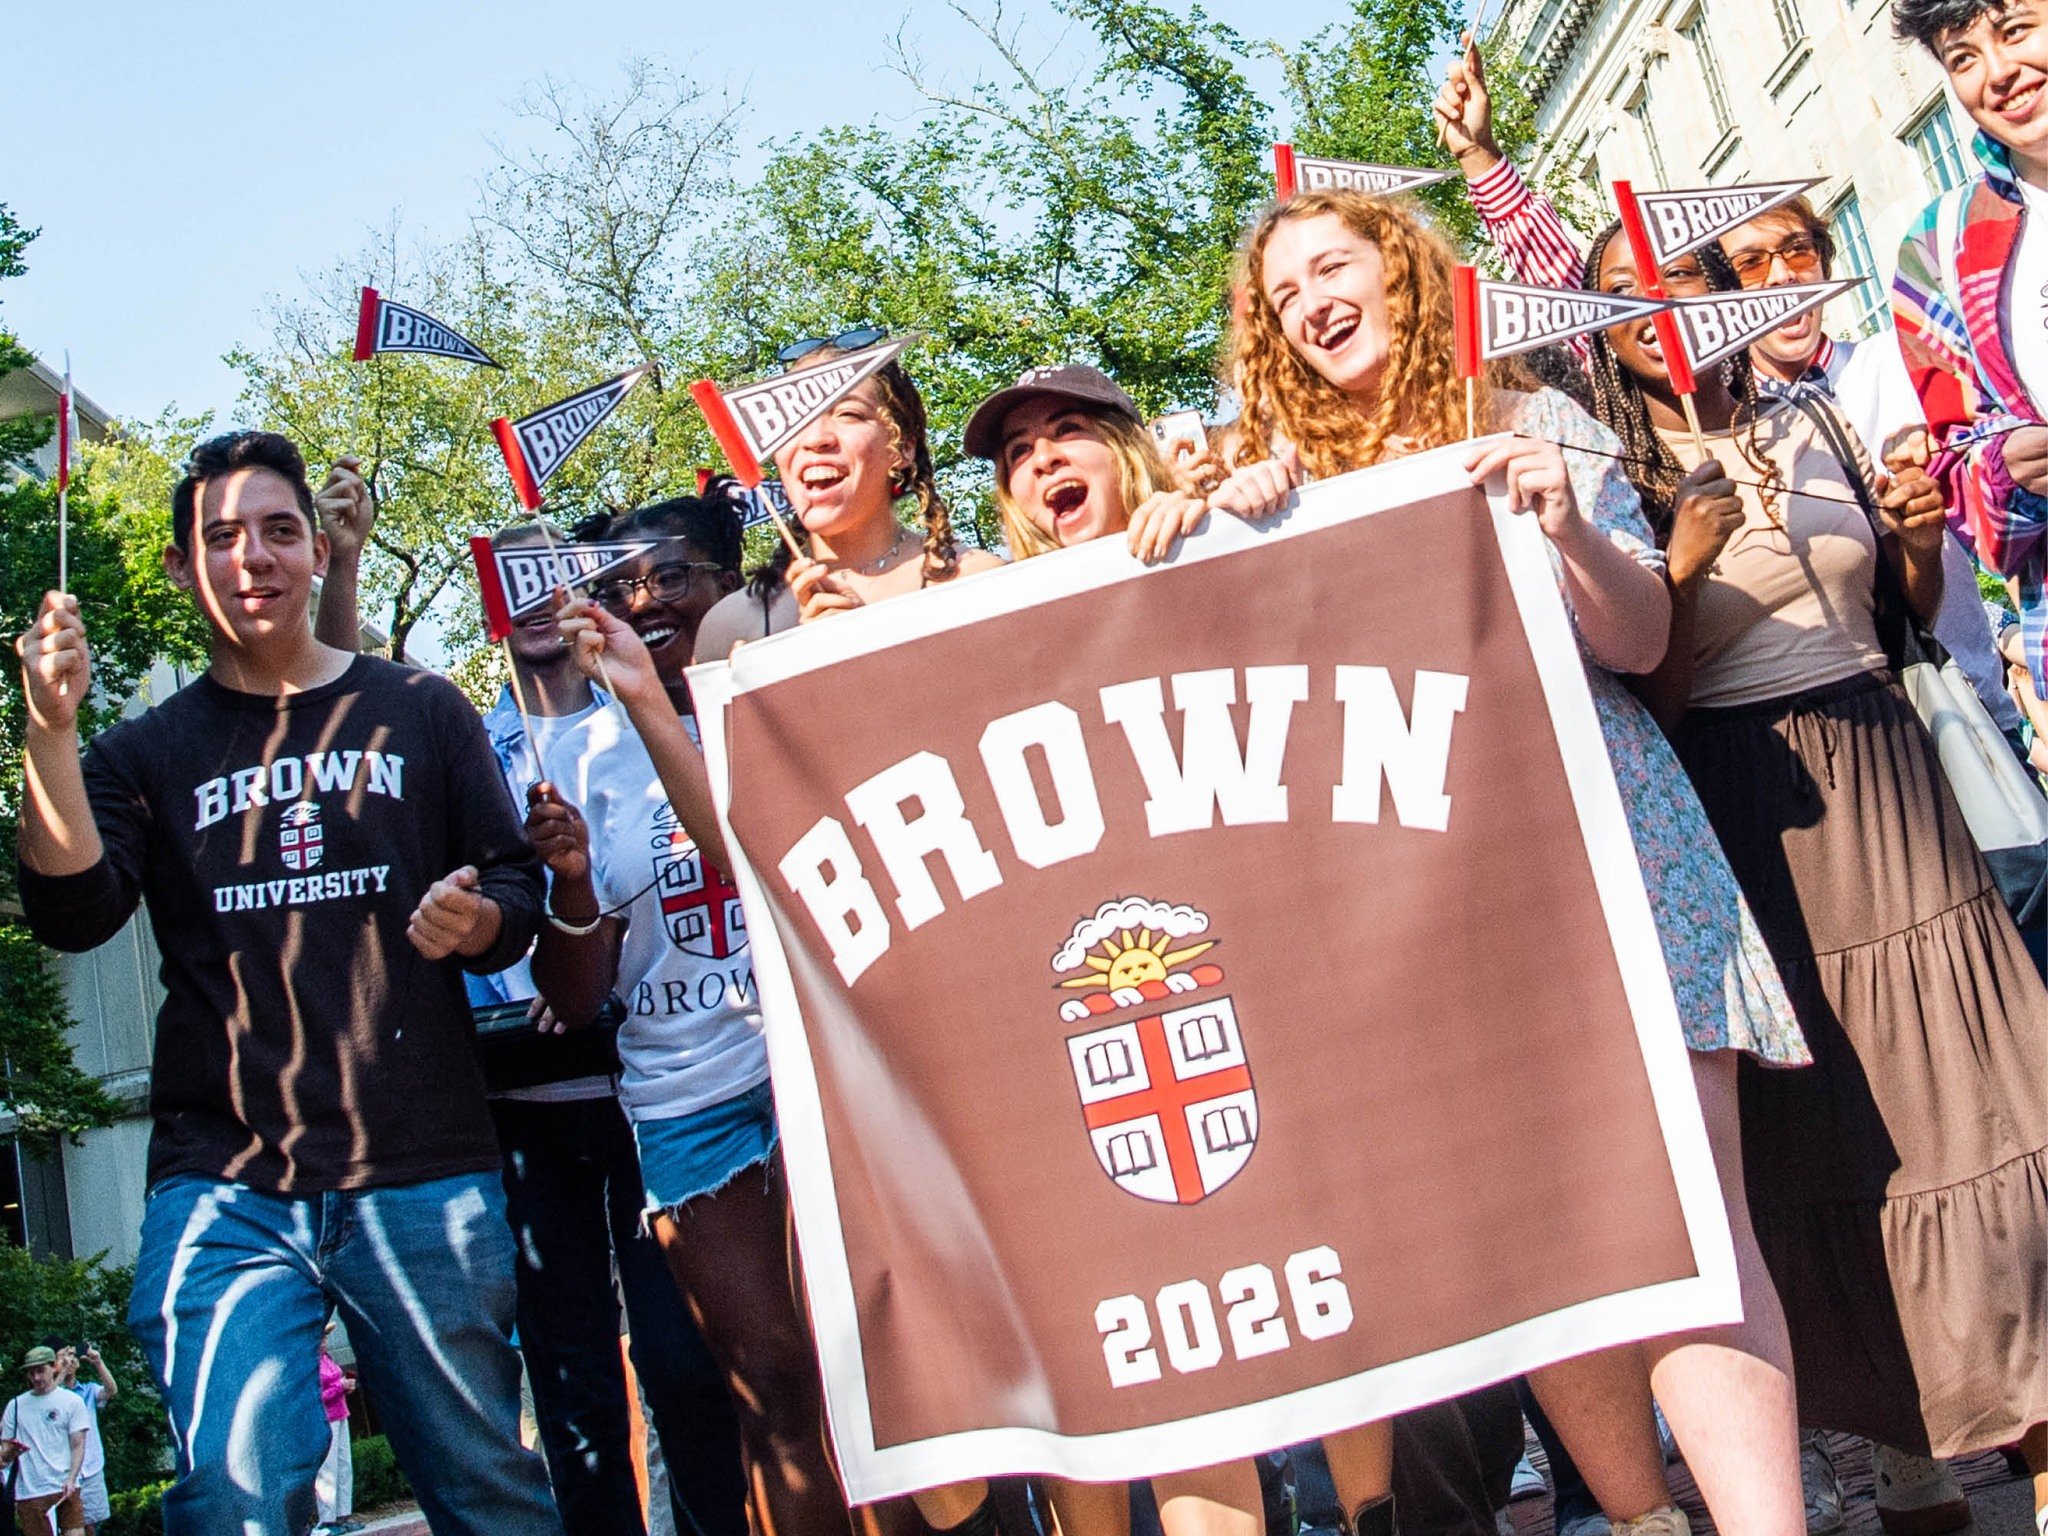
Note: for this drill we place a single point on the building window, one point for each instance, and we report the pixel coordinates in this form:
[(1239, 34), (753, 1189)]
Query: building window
[(1710, 71), (1790, 28), (1853, 259), (1640, 111), (1933, 139)]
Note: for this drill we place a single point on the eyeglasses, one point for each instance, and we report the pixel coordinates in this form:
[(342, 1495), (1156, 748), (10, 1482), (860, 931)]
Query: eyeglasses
[(1800, 253), (846, 341), (668, 583)]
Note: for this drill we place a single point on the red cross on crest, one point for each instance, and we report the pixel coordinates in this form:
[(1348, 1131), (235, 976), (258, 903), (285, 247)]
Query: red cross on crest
[(699, 908)]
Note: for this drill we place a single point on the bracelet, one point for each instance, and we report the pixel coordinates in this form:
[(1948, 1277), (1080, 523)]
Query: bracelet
[(575, 930)]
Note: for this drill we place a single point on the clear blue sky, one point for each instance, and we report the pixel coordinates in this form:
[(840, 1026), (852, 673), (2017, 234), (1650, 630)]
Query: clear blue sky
[(187, 162)]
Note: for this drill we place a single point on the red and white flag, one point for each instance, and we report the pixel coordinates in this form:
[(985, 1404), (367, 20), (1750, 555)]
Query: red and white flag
[(754, 420), (1501, 319), (517, 580), (1681, 221), (67, 429), (385, 325), (1294, 173), (1718, 325), (536, 446)]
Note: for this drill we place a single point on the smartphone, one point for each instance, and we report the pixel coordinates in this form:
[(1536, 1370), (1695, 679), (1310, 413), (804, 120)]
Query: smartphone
[(1180, 434)]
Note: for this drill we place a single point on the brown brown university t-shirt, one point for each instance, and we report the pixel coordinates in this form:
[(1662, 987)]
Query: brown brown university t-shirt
[(282, 845)]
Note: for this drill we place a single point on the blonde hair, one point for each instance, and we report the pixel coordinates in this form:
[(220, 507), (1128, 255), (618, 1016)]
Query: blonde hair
[(1420, 399), (1141, 472)]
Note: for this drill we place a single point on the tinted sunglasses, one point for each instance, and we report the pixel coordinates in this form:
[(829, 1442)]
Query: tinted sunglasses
[(846, 341), (1800, 253)]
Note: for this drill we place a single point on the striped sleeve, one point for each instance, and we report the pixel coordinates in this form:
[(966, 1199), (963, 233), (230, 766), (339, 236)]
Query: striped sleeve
[(1524, 226)]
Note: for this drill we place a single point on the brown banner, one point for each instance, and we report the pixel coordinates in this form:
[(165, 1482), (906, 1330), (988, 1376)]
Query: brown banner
[(1232, 1010)]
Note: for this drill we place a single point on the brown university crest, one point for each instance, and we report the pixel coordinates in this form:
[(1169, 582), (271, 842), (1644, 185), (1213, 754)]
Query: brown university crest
[(1166, 1092)]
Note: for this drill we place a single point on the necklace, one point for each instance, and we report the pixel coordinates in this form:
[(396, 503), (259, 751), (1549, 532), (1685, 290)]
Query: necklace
[(875, 566)]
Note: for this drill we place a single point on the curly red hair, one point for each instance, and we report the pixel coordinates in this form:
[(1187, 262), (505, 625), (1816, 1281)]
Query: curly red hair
[(1421, 399)]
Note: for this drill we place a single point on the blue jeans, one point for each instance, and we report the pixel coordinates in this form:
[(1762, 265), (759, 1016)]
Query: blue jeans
[(232, 1290)]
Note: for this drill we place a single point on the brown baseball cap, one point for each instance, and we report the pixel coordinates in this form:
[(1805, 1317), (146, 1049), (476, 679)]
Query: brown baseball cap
[(1070, 381)]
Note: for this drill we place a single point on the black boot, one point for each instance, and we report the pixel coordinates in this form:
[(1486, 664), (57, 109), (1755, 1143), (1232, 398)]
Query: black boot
[(1375, 1517)]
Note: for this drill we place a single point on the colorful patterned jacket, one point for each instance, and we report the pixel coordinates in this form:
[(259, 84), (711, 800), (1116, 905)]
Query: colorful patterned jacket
[(1957, 354)]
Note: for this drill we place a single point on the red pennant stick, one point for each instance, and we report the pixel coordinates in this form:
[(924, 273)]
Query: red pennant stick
[(718, 416), (497, 609), (1284, 183), (1465, 339), (366, 326), (1677, 366), (1465, 313), (515, 464)]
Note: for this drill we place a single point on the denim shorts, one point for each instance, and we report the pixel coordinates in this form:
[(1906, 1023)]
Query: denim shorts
[(700, 1153)]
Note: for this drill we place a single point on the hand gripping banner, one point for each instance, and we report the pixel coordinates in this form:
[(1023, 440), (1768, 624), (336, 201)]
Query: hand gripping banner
[(1294, 173), (1506, 318), (1133, 1000), (517, 580), (535, 446), (1718, 325), (1681, 221), (385, 325)]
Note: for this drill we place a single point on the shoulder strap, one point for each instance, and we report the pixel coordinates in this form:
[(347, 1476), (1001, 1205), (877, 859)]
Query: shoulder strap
[(1899, 631)]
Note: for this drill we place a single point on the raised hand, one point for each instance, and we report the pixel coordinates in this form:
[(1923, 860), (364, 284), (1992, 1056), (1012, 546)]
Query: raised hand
[(1464, 114), (559, 833), (347, 510), (1910, 502), (56, 663), (819, 590), (1708, 511), (606, 649)]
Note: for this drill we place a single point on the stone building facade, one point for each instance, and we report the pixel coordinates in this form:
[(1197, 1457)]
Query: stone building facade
[(1686, 93)]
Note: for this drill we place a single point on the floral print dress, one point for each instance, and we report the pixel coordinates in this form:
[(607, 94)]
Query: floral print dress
[(1727, 987)]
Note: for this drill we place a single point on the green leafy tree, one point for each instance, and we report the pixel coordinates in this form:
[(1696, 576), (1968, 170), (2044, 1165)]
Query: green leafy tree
[(1027, 218), (86, 1301), (117, 530), (1362, 88), (23, 436)]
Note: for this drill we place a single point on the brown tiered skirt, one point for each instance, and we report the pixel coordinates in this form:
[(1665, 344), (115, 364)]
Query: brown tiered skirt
[(1899, 1185)]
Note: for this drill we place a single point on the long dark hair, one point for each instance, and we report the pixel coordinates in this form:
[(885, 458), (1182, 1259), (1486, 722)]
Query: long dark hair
[(1619, 401)]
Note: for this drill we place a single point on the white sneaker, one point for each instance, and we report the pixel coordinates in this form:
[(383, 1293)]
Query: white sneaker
[(1527, 1482), (1916, 1496), (1817, 1480), (1668, 1521)]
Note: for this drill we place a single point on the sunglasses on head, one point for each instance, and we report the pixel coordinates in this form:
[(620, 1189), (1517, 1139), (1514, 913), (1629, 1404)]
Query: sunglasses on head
[(846, 341)]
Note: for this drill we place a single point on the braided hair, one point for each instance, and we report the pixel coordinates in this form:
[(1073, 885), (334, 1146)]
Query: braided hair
[(1619, 401), (903, 412)]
